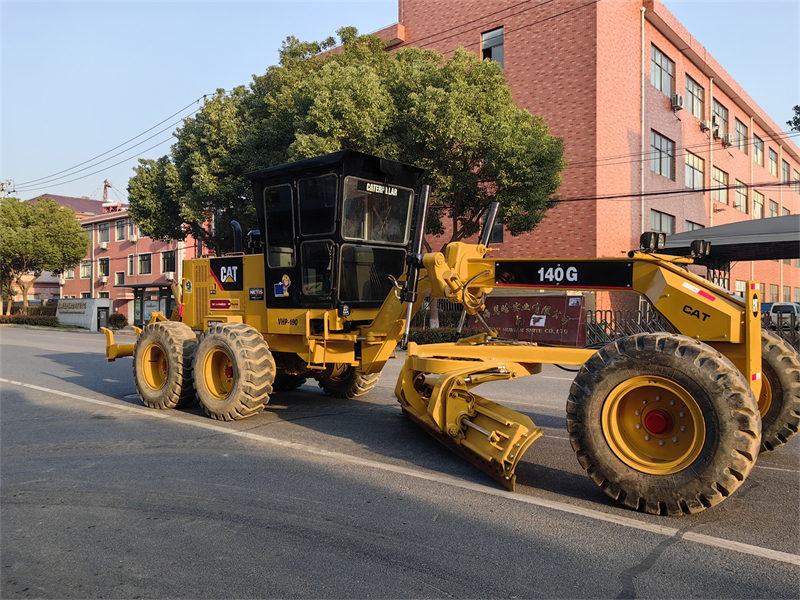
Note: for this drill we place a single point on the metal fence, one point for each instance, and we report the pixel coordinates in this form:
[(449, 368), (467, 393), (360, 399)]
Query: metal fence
[(605, 326), (788, 329), (449, 314)]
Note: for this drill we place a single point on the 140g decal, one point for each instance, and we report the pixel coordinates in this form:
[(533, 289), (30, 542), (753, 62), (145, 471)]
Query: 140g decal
[(569, 274)]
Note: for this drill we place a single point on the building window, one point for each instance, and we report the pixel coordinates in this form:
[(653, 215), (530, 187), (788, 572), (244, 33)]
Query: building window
[(785, 212), (120, 230), (86, 269), (787, 293), (86, 295), (773, 208), (758, 205), (102, 267), (492, 45), (103, 295), (797, 182), (131, 264), (721, 118), (785, 172), (119, 278), (103, 232), (773, 162), (741, 136), (763, 292), (692, 226), (662, 222), (70, 273), (168, 261), (695, 98), (144, 264), (740, 197), (773, 292), (87, 231), (719, 185), (758, 150), (797, 295), (131, 228), (741, 288), (662, 157), (695, 167), (662, 72)]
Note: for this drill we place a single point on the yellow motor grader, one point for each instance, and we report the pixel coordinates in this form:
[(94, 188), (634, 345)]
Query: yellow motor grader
[(667, 423)]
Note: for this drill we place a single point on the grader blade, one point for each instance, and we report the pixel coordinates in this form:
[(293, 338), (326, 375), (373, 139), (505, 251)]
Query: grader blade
[(490, 436)]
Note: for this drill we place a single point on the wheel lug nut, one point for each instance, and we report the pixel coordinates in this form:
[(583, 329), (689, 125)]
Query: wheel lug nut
[(682, 414), (638, 426), (672, 402), (644, 401), (660, 442), (647, 438), (658, 398), (675, 440), (683, 428), (638, 412)]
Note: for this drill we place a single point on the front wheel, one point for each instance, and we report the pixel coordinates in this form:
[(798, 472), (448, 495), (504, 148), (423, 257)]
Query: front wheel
[(233, 371), (663, 423), (345, 381)]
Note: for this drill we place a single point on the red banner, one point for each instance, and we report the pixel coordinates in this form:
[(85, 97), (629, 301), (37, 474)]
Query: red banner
[(555, 320)]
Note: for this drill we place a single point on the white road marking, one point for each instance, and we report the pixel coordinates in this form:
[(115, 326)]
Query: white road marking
[(777, 469), (438, 478)]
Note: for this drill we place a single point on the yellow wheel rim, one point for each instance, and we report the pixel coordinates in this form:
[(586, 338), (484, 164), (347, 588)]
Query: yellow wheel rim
[(653, 425), (340, 371), (155, 368), (765, 398), (219, 373)]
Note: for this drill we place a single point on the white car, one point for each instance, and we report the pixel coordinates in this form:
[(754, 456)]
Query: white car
[(785, 315)]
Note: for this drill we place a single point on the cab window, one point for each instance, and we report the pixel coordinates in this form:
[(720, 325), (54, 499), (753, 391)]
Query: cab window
[(280, 226), (317, 203), (317, 259), (375, 212)]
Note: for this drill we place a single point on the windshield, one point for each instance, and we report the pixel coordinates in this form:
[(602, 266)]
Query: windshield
[(376, 212)]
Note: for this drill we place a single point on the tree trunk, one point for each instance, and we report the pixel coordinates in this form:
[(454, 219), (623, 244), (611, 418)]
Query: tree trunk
[(433, 314)]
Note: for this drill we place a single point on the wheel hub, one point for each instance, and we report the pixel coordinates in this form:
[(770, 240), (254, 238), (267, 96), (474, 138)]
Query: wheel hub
[(657, 421)]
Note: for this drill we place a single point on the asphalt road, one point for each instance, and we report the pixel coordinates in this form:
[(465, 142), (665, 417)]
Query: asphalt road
[(325, 498)]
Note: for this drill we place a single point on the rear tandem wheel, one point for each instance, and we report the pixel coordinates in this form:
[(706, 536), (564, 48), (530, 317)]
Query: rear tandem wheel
[(233, 371), (348, 382), (162, 365), (663, 423), (779, 401)]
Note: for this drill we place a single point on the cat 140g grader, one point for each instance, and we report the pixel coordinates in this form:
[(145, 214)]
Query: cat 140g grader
[(667, 423)]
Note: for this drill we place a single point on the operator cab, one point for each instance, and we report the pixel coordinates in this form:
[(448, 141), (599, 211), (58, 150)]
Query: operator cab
[(335, 228)]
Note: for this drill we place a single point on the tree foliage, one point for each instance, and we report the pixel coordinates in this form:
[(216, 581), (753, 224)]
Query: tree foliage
[(455, 118), (37, 238), (794, 122)]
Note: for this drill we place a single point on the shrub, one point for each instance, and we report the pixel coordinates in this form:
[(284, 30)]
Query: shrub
[(438, 336), (117, 321), (41, 321), (46, 311)]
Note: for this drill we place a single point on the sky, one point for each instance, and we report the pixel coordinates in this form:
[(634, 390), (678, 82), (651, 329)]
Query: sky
[(81, 79)]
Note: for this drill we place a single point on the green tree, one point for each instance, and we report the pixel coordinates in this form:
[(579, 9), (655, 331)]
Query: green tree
[(38, 238), (455, 118), (794, 122)]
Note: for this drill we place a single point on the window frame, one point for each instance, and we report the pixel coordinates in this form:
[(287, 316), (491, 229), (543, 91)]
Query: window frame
[(740, 199), (165, 260), (719, 190), (118, 237), (695, 102), (119, 280), (658, 155), (758, 150), (773, 162), (785, 171), (693, 170), (104, 232), (658, 70), (86, 264), (491, 48), (722, 115), (148, 261), (774, 209), (131, 265), (758, 205), (741, 135), (103, 267), (657, 215)]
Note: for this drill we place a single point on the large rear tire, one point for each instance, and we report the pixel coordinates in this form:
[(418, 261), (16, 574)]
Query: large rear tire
[(663, 423), (233, 371), (162, 365), (779, 401), (348, 382)]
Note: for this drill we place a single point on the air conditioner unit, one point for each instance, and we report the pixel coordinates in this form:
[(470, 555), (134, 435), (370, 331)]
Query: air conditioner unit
[(705, 125), (727, 139), (717, 132), (133, 237), (677, 102), (104, 245), (169, 274), (103, 278)]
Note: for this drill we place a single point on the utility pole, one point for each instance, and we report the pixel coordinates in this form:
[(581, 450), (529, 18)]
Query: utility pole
[(4, 184)]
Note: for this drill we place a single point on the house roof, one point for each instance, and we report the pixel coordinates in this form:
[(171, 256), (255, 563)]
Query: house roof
[(758, 239), (82, 206)]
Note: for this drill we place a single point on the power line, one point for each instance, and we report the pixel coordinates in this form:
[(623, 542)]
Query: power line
[(116, 147)]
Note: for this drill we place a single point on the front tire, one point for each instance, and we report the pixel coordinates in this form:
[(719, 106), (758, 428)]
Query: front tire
[(779, 401), (347, 382), (663, 423), (162, 365), (233, 371)]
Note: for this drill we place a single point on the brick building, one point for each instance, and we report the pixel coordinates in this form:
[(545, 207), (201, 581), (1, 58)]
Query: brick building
[(642, 108), (120, 255)]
